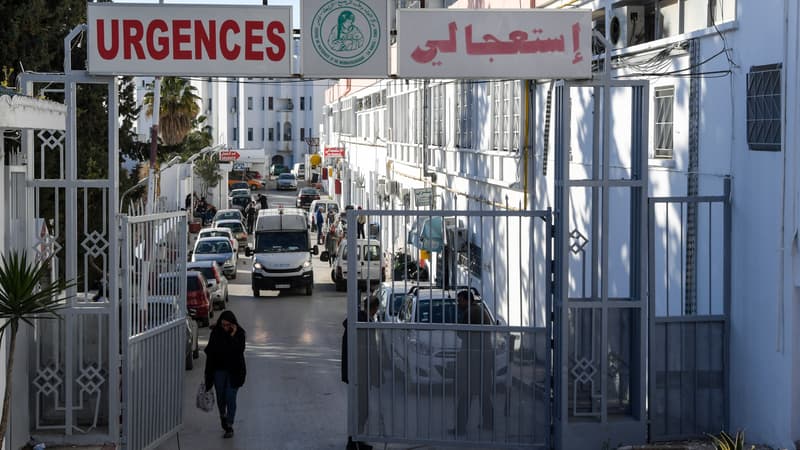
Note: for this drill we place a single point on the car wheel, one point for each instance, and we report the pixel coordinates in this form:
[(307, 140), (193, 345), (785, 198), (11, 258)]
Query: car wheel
[(309, 289), (256, 292), (341, 285), (234, 276)]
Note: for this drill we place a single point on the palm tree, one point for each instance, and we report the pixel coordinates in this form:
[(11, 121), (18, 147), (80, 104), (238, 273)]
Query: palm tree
[(25, 295), (178, 110)]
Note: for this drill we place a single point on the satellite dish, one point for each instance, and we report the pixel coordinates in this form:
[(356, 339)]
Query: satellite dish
[(614, 30)]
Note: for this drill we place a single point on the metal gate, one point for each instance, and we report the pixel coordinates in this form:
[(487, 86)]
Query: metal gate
[(689, 315), (422, 375), (154, 327)]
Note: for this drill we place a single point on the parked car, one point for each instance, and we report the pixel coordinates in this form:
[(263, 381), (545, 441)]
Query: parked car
[(238, 184), (369, 266), (217, 249), (237, 228), (306, 196), (391, 295), (217, 232), (239, 193), (198, 302), (254, 174), (240, 202), (162, 309), (432, 357), (238, 178), (277, 169), (217, 283), (225, 214), (299, 170), (286, 181)]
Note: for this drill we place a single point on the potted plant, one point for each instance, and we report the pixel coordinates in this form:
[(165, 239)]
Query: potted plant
[(26, 294)]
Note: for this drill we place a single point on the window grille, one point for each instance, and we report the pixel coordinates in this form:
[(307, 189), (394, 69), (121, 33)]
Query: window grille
[(764, 107), (663, 129), (464, 111)]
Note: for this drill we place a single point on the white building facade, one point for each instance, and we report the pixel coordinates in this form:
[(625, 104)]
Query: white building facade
[(722, 96)]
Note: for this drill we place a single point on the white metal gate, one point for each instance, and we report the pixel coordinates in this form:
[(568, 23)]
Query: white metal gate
[(421, 375), (154, 327)]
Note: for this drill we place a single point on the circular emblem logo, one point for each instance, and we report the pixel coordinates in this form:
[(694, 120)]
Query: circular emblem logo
[(345, 33)]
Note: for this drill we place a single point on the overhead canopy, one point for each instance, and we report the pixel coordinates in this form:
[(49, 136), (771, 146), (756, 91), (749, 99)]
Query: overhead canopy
[(428, 234), (23, 112)]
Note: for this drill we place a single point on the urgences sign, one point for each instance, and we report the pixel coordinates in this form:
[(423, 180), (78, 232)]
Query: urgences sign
[(196, 40)]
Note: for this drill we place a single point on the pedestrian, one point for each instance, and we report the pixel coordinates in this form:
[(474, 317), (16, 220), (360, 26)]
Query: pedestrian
[(331, 216), (367, 346), (330, 243), (318, 219), (250, 213), (225, 366), (188, 203), (475, 364), (211, 211), (361, 222), (262, 199)]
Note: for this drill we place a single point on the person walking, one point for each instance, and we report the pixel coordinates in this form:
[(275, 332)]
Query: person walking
[(368, 371), (319, 221), (225, 366), (330, 243), (262, 199), (361, 222), (250, 212), (475, 364)]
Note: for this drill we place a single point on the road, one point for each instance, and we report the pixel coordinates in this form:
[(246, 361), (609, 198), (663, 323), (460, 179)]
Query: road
[(293, 397)]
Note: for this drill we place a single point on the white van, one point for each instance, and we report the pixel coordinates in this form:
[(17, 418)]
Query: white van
[(327, 205), (281, 251), (299, 170), (370, 266)]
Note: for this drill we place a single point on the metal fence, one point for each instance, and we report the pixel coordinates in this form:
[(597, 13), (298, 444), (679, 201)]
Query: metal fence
[(154, 327), (430, 371), (689, 283)]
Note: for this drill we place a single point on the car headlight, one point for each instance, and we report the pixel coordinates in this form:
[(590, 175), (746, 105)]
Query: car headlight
[(257, 266), (306, 264), (230, 261)]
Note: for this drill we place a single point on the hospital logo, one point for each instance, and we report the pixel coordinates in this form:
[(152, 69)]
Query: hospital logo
[(345, 33)]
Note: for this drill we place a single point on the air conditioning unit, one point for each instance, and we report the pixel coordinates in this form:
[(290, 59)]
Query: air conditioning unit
[(627, 26)]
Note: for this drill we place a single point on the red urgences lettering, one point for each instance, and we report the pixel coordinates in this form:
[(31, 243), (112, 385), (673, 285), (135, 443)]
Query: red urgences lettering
[(183, 39)]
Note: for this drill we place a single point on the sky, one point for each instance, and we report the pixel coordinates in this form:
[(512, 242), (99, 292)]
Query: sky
[(295, 4)]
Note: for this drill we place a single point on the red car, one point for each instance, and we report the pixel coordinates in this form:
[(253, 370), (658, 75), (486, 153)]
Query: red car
[(305, 196), (198, 302)]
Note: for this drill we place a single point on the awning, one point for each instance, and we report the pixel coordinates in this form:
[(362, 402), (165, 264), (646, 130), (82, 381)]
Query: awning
[(427, 234)]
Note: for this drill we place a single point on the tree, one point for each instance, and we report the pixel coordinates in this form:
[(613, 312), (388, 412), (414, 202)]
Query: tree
[(208, 171), (178, 110), (26, 294)]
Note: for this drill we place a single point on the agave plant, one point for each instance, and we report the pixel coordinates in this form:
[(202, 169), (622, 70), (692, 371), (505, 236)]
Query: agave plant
[(726, 442), (25, 295)]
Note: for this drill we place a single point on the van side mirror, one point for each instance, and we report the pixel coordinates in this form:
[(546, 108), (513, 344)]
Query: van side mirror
[(248, 251), (314, 250)]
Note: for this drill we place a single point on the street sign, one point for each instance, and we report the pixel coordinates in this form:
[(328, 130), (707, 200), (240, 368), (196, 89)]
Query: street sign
[(423, 197), (239, 166), (228, 155), (332, 152)]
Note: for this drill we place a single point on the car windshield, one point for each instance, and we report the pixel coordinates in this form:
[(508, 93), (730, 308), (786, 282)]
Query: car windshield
[(240, 201), (233, 226), (440, 310), (281, 241), (192, 283), (241, 185), (207, 272), (286, 176), (229, 215), (206, 247), (214, 233), (308, 191)]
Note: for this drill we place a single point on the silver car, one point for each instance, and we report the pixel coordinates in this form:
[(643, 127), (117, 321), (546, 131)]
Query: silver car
[(217, 249), (286, 181)]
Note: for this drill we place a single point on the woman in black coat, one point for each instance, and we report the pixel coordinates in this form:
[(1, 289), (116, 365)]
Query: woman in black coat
[(225, 367)]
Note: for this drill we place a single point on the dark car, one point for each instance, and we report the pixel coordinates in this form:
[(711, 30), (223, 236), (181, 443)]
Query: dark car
[(198, 301), (305, 196)]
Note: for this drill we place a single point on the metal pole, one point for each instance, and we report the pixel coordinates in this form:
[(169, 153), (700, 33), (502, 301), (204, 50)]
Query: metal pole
[(151, 183)]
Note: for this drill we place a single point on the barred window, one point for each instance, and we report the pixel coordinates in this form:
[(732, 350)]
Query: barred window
[(464, 114), (663, 129), (764, 107), (437, 115)]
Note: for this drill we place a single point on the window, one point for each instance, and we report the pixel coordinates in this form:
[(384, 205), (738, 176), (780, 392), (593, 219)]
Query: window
[(302, 103), (235, 134), (249, 134), (437, 120), (505, 115), (210, 103), (464, 114), (271, 134), (663, 130), (278, 131), (249, 103), (262, 134), (287, 131), (302, 134), (262, 103), (270, 104), (764, 107)]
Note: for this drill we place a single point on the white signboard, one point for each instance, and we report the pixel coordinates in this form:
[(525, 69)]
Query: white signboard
[(189, 40), (492, 43), (345, 39)]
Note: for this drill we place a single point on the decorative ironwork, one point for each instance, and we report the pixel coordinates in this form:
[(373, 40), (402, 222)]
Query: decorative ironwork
[(48, 379), (94, 244), (51, 139), (584, 371), (579, 241), (91, 379)]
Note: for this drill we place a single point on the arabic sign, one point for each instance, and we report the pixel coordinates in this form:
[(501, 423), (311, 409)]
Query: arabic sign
[(344, 39), (228, 155), (423, 197), (331, 152), (197, 40), (470, 43)]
